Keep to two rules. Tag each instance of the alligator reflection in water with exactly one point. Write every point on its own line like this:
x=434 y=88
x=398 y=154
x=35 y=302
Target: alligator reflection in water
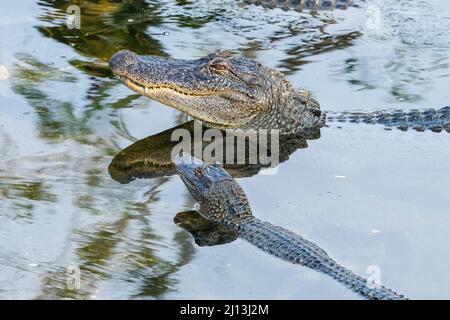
x=205 y=233
x=151 y=156
x=208 y=233
x=223 y=201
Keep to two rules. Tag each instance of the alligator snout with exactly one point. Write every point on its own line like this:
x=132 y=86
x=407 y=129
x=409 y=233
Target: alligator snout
x=122 y=59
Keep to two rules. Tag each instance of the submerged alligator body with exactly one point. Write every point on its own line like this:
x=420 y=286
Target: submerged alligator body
x=223 y=201
x=228 y=92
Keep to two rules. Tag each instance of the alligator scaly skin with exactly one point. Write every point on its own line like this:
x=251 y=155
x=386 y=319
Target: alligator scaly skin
x=293 y=248
x=227 y=92
x=435 y=120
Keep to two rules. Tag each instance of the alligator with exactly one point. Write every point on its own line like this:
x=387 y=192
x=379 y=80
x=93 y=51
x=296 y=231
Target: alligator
x=223 y=201
x=228 y=92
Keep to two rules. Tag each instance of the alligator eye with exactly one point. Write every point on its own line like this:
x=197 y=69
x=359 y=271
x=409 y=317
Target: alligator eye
x=219 y=66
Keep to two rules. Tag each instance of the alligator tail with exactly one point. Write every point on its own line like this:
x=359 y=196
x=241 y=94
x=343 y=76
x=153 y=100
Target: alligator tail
x=436 y=120
x=291 y=247
x=300 y=5
x=359 y=284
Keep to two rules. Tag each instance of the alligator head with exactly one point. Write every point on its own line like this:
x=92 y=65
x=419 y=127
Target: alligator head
x=221 y=199
x=221 y=90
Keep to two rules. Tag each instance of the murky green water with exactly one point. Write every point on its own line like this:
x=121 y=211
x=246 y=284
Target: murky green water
x=366 y=195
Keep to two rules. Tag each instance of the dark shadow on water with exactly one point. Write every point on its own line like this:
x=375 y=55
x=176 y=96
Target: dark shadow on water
x=151 y=157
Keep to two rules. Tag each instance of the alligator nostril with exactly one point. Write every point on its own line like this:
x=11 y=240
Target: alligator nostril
x=316 y=113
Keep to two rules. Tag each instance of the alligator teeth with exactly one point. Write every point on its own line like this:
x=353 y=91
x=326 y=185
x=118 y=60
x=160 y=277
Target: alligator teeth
x=146 y=90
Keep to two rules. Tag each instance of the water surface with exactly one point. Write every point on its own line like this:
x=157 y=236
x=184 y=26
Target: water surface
x=366 y=195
